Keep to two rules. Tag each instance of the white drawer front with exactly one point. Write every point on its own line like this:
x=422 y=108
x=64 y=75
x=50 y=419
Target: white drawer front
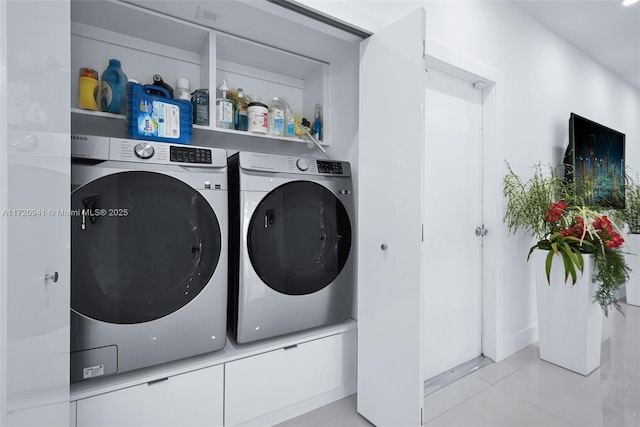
x=191 y=399
x=261 y=384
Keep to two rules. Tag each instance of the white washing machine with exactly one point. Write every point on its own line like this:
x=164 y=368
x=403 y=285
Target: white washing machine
x=149 y=254
x=292 y=224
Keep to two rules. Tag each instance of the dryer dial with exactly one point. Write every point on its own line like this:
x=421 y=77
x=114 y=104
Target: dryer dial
x=144 y=150
x=302 y=164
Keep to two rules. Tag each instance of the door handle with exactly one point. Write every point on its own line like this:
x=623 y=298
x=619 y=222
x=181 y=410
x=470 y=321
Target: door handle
x=268 y=218
x=53 y=277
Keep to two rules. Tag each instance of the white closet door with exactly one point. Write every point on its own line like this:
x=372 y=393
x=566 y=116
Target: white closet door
x=392 y=90
x=453 y=189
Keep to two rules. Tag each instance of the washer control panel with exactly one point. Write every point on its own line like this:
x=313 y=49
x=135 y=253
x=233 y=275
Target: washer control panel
x=334 y=168
x=137 y=151
x=197 y=155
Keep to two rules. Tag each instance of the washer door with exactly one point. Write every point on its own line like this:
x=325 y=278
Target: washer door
x=299 y=238
x=143 y=245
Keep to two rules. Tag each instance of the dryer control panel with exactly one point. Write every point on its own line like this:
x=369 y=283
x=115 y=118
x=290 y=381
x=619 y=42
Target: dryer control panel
x=290 y=164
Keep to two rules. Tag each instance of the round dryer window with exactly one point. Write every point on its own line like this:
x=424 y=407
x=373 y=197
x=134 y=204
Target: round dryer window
x=143 y=245
x=299 y=238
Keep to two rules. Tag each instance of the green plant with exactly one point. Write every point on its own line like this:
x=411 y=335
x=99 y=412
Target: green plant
x=548 y=207
x=630 y=215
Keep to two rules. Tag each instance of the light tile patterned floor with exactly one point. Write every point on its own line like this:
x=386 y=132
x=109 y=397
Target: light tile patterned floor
x=522 y=390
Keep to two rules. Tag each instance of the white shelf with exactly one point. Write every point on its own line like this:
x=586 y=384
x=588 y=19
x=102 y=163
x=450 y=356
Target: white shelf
x=102 y=115
x=257 y=135
x=97 y=113
x=146 y=43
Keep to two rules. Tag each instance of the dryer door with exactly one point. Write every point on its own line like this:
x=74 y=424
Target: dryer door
x=299 y=238
x=144 y=244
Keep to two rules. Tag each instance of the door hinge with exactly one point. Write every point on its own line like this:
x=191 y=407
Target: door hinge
x=422 y=237
x=481 y=231
x=424 y=49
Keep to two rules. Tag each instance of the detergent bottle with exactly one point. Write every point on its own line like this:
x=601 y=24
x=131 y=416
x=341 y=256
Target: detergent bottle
x=113 y=84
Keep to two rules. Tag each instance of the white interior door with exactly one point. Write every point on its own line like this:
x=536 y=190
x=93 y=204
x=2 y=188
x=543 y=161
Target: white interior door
x=391 y=139
x=453 y=209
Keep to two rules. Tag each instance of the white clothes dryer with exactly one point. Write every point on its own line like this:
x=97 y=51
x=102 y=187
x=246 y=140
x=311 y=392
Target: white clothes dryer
x=149 y=254
x=291 y=244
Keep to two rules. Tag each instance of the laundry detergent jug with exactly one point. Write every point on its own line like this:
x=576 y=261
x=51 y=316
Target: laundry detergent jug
x=112 y=88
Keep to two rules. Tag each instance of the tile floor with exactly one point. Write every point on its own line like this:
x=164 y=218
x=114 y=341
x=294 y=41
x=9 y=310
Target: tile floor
x=522 y=390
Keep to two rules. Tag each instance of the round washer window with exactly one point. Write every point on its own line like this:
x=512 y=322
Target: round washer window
x=144 y=245
x=299 y=238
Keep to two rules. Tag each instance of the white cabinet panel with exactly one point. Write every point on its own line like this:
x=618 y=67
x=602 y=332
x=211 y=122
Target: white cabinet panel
x=34 y=232
x=261 y=384
x=390 y=218
x=72 y=414
x=191 y=399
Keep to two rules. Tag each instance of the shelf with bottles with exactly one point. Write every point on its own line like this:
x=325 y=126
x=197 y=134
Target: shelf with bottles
x=264 y=73
x=147 y=43
x=102 y=124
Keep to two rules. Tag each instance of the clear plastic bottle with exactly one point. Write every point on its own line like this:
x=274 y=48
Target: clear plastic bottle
x=317 y=123
x=224 y=108
x=289 y=121
x=241 y=113
x=276 y=117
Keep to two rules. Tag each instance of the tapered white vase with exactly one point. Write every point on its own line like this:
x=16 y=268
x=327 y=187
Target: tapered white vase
x=633 y=261
x=569 y=321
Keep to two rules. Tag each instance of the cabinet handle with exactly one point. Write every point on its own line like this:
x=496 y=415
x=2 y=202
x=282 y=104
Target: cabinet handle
x=53 y=277
x=158 y=381
x=384 y=247
x=289 y=347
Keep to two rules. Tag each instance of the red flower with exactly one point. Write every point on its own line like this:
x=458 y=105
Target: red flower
x=607 y=234
x=556 y=211
x=576 y=230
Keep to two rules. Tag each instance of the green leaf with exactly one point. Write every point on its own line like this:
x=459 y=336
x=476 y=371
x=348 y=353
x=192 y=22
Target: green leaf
x=571 y=253
x=569 y=269
x=547 y=266
x=533 y=248
x=580 y=262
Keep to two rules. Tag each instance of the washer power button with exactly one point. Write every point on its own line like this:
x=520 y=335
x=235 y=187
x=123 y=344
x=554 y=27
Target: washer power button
x=144 y=150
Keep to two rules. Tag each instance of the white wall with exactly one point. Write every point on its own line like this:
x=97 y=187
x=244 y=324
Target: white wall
x=544 y=78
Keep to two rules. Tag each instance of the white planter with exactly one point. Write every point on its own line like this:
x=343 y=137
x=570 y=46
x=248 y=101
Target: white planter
x=633 y=261
x=569 y=321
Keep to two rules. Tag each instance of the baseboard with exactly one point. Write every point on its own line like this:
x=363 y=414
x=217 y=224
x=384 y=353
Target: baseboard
x=517 y=342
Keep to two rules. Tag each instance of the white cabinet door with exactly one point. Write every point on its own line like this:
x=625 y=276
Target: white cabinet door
x=191 y=399
x=391 y=140
x=258 y=385
x=34 y=175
